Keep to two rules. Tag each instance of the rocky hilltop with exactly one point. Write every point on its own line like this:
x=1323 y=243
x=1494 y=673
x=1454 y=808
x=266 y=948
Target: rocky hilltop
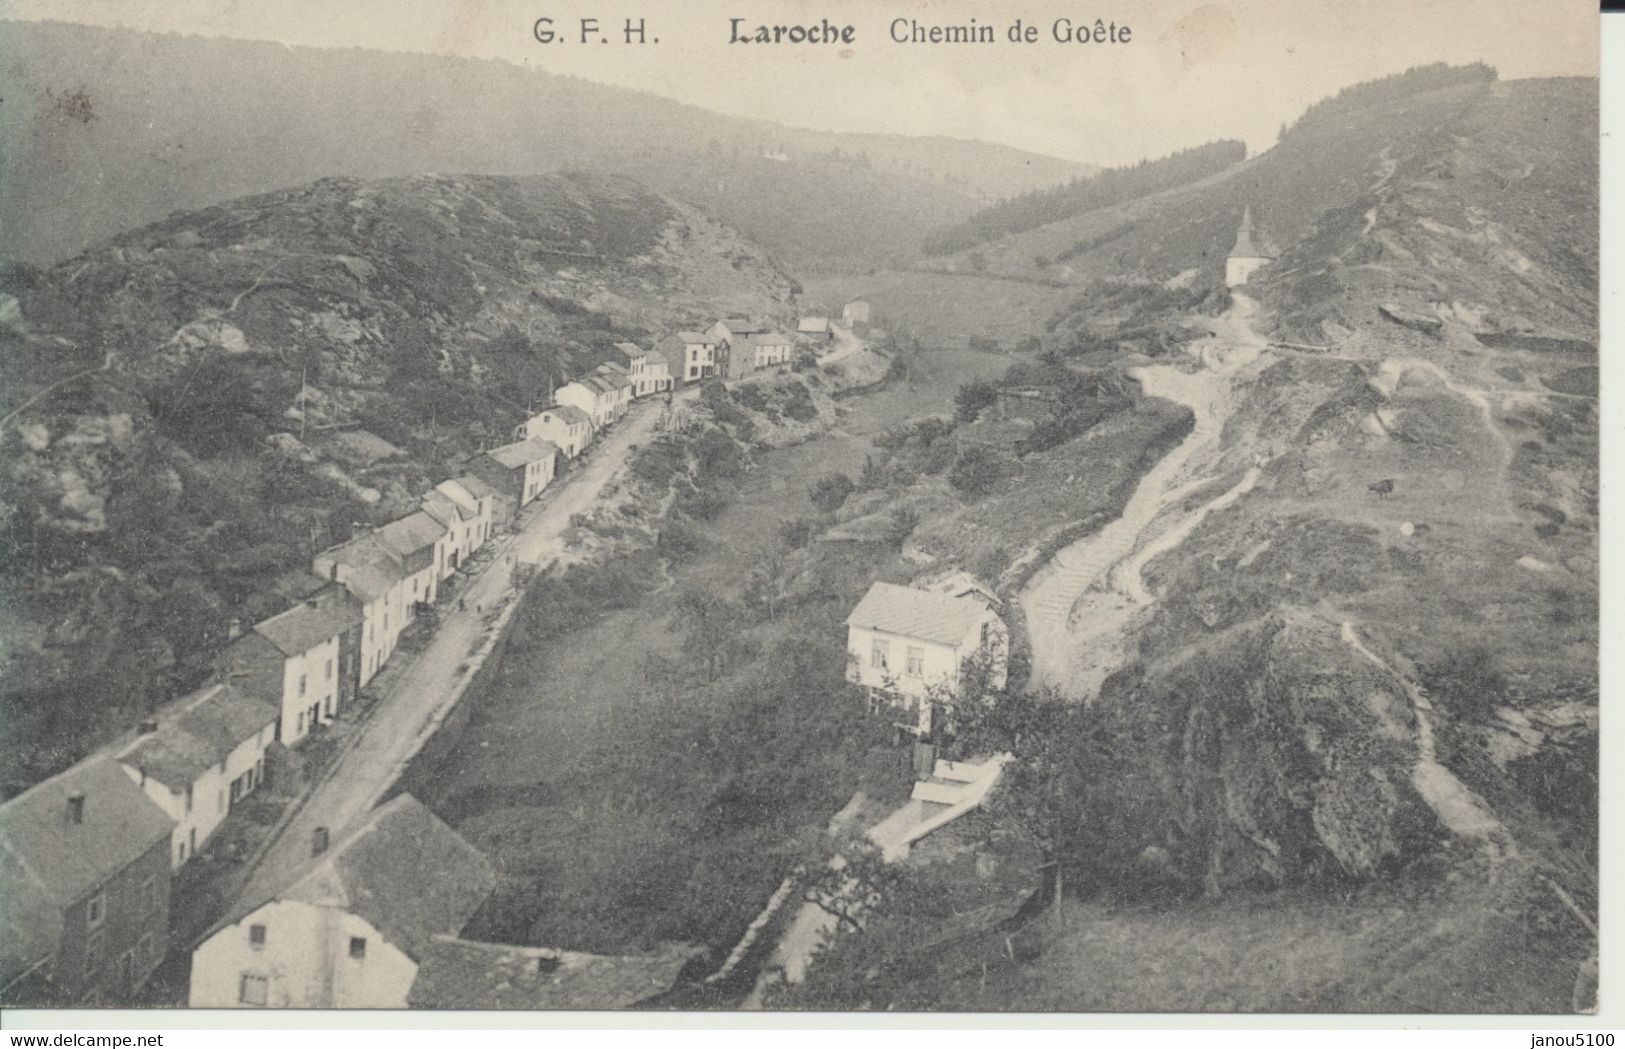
x=194 y=407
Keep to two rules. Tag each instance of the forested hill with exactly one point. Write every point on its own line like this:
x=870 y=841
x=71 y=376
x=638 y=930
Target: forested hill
x=155 y=485
x=1040 y=207
x=102 y=130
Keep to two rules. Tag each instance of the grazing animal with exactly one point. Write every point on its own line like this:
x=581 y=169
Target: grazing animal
x=1383 y=488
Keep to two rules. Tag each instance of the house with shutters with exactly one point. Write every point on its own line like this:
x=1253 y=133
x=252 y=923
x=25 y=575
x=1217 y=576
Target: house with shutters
x=522 y=470
x=567 y=427
x=657 y=368
x=768 y=349
x=693 y=355
x=503 y=507
x=350 y=930
x=375 y=576
x=908 y=646
x=474 y=521
x=198 y=758
x=306 y=662
x=84 y=888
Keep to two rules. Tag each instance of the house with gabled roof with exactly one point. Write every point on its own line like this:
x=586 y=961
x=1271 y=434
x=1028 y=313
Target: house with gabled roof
x=467 y=518
x=646 y=379
x=592 y=396
x=521 y=469
x=199 y=757
x=908 y=646
x=420 y=542
x=817 y=328
x=658 y=370
x=566 y=426
x=692 y=354
x=349 y=930
x=84 y=888
x=305 y=661
x=371 y=572
x=617 y=376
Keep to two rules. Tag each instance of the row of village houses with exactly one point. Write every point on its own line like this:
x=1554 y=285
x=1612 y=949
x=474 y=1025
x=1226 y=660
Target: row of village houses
x=86 y=856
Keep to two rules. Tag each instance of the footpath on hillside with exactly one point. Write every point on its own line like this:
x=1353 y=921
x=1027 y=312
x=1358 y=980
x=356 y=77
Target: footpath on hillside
x=1079 y=605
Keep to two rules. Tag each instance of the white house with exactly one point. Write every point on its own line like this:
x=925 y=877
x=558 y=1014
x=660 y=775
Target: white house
x=350 y=929
x=620 y=379
x=567 y=427
x=295 y=660
x=657 y=368
x=199 y=757
x=591 y=396
x=420 y=542
x=1250 y=254
x=646 y=378
x=466 y=518
x=693 y=355
x=906 y=645
x=769 y=349
x=854 y=313
x=376 y=577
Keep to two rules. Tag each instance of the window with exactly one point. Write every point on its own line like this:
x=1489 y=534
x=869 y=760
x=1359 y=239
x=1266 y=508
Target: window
x=358 y=947
x=877 y=655
x=330 y=670
x=916 y=661
x=97 y=910
x=251 y=990
x=188 y=797
x=301 y=684
x=256 y=937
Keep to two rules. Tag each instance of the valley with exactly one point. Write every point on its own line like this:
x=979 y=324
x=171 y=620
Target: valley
x=1251 y=501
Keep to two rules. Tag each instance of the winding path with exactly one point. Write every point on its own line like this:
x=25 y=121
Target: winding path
x=1078 y=605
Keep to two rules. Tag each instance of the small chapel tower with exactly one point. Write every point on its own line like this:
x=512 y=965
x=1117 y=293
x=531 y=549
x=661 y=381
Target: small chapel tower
x=1250 y=254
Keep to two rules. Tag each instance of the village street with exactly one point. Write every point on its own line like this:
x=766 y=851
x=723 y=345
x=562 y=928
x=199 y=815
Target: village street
x=431 y=684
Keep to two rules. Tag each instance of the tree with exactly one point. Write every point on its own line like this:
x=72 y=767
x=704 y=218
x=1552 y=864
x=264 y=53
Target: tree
x=972 y=397
x=830 y=491
x=975 y=472
x=904 y=520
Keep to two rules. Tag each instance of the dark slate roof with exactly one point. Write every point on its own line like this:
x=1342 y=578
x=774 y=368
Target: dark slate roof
x=404 y=871
x=198 y=733
x=630 y=349
x=917 y=613
x=412 y=533
x=374 y=567
x=321 y=617
x=522 y=453
x=477 y=486
x=694 y=336
x=571 y=415
x=462 y=974
x=444 y=509
x=655 y=357
x=48 y=862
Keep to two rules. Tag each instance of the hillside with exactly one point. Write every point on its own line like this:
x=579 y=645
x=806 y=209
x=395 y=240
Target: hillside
x=1336 y=736
x=164 y=466
x=93 y=143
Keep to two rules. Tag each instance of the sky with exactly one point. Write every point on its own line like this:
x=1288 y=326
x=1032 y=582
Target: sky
x=1191 y=72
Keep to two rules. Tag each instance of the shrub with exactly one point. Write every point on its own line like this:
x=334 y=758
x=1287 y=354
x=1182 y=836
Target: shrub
x=678 y=539
x=972 y=398
x=975 y=472
x=830 y=491
x=798 y=532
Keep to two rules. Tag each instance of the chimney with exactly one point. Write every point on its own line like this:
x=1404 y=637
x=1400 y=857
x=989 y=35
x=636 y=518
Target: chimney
x=318 y=841
x=76 y=807
x=234 y=629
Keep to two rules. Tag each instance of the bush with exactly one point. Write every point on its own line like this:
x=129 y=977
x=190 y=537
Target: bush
x=972 y=398
x=975 y=472
x=798 y=532
x=1468 y=682
x=830 y=491
x=678 y=540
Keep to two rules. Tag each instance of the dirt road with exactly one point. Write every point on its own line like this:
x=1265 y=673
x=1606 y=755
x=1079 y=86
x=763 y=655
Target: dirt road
x=1078 y=606
x=433 y=682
